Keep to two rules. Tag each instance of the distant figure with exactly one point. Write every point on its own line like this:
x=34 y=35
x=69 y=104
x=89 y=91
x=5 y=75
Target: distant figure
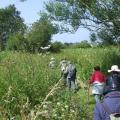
x=52 y=63
x=63 y=65
x=71 y=75
x=109 y=108
x=97 y=80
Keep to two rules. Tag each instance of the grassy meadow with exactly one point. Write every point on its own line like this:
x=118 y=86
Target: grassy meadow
x=26 y=79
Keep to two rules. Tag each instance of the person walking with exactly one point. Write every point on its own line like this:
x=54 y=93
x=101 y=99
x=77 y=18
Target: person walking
x=52 y=63
x=109 y=108
x=97 y=80
x=63 y=65
x=71 y=76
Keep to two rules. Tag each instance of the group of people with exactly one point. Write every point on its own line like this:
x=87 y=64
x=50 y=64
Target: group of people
x=68 y=72
x=106 y=90
x=109 y=88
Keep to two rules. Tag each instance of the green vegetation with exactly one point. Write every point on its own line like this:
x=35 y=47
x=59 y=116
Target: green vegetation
x=25 y=80
x=40 y=33
x=11 y=23
x=99 y=16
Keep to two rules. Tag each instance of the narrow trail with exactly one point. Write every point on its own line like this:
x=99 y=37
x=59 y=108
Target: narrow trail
x=81 y=97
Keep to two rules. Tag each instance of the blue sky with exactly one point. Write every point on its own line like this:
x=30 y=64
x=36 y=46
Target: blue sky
x=30 y=13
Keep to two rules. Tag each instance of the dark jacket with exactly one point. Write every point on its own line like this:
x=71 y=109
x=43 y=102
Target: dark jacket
x=112 y=100
x=112 y=83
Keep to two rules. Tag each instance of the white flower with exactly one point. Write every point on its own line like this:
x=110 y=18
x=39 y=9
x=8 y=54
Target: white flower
x=66 y=106
x=63 y=109
x=45 y=106
x=72 y=111
x=58 y=103
x=55 y=115
x=45 y=111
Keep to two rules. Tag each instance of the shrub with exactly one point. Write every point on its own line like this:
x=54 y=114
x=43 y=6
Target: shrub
x=17 y=42
x=56 y=47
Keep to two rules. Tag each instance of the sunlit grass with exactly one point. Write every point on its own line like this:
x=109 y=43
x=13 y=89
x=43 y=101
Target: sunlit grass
x=25 y=80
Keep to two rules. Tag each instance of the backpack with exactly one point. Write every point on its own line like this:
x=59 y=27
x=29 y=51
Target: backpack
x=113 y=116
x=72 y=71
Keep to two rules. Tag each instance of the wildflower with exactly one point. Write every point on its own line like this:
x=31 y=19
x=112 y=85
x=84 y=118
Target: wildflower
x=66 y=106
x=55 y=115
x=72 y=111
x=45 y=111
x=54 y=110
x=58 y=103
x=45 y=106
x=32 y=112
x=9 y=91
x=63 y=109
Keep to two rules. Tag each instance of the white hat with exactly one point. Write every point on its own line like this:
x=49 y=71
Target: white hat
x=114 y=68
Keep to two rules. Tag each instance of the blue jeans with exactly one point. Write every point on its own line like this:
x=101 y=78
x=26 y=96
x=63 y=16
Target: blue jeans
x=71 y=82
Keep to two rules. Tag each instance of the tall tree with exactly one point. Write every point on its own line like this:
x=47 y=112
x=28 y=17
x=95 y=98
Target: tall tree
x=96 y=15
x=41 y=32
x=10 y=22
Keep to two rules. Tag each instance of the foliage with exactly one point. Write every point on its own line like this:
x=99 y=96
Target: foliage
x=93 y=38
x=40 y=33
x=56 y=46
x=84 y=44
x=106 y=37
x=25 y=80
x=96 y=15
x=17 y=42
x=11 y=22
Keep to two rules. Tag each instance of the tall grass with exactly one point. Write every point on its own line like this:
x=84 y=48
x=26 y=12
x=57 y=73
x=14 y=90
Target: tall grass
x=25 y=80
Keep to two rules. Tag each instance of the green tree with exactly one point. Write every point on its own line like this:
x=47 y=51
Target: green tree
x=56 y=46
x=84 y=44
x=10 y=22
x=93 y=38
x=41 y=32
x=96 y=15
x=106 y=37
x=17 y=42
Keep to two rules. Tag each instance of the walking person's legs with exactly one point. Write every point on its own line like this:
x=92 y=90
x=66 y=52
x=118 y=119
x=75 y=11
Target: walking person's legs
x=65 y=79
x=74 y=85
x=69 y=84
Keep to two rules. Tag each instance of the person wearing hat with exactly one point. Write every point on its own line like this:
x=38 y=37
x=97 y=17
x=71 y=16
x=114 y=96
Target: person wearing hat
x=113 y=81
x=52 y=62
x=109 y=108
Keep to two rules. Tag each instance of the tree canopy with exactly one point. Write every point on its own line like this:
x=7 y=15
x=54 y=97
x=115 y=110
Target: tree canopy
x=41 y=32
x=95 y=15
x=10 y=22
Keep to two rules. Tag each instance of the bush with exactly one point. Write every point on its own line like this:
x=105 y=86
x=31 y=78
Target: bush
x=56 y=47
x=84 y=44
x=17 y=42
